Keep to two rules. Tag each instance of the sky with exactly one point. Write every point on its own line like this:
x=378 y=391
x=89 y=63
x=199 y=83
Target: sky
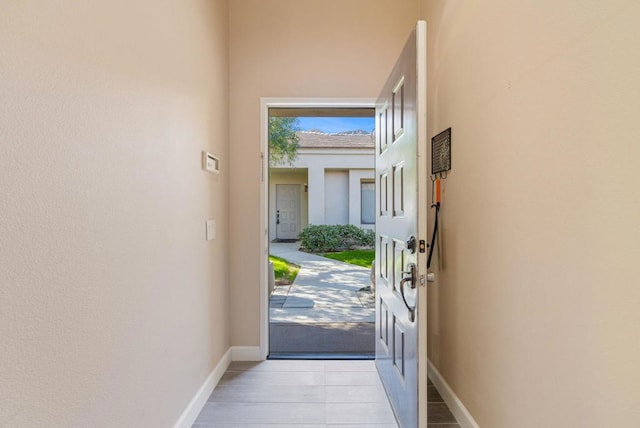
x=332 y=125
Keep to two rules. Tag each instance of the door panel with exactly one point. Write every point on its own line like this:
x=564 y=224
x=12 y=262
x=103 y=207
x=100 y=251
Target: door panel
x=401 y=214
x=287 y=211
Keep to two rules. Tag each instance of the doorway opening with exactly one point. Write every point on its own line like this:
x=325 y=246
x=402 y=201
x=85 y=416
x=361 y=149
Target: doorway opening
x=320 y=218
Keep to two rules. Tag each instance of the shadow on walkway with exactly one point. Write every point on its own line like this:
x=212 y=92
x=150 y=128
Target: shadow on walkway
x=324 y=312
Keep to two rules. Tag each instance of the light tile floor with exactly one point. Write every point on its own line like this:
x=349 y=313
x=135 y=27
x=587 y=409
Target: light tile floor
x=438 y=412
x=298 y=393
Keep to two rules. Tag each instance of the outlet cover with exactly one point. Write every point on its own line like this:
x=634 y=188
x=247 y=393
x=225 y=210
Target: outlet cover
x=211 y=230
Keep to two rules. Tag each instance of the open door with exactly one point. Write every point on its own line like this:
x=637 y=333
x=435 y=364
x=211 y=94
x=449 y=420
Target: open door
x=401 y=220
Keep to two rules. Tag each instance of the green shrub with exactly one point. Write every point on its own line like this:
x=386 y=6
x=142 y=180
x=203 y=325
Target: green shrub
x=327 y=238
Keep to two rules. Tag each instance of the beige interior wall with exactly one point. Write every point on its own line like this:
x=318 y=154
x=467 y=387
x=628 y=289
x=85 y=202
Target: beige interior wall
x=534 y=319
x=292 y=48
x=112 y=304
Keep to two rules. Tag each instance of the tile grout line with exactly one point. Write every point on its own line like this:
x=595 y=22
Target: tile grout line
x=324 y=369
x=326 y=406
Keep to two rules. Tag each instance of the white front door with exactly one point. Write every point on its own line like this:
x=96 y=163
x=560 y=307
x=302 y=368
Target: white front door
x=287 y=211
x=401 y=210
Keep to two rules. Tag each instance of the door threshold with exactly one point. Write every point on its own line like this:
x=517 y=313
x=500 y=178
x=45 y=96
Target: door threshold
x=285 y=356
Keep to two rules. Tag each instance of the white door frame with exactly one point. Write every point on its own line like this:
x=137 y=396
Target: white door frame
x=265 y=104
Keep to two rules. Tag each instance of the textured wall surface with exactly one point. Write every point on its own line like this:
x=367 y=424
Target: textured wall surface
x=114 y=308
x=112 y=304
x=534 y=318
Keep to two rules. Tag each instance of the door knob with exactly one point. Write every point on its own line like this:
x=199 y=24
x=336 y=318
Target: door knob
x=411 y=279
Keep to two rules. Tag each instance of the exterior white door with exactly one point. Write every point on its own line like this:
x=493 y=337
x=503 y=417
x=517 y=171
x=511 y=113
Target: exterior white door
x=401 y=210
x=287 y=211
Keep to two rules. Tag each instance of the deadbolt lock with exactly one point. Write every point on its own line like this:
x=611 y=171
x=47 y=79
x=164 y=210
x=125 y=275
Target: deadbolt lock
x=411 y=244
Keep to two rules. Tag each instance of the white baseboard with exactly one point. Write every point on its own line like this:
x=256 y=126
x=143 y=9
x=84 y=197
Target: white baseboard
x=246 y=353
x=198 y=401
x=235 y=353
x=455 y=405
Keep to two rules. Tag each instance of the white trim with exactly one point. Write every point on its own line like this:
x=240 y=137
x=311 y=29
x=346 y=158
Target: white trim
x=455 y=405
x=193 y=409
x=265 y=104
x=246 y=353
x=195 y=406
x=264 y=228
x=424 y=213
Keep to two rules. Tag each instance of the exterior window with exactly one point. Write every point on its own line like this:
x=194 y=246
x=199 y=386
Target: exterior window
x=367 y=202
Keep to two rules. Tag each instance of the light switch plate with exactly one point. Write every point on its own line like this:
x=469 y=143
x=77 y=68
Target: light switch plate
x=210 y=163
x=211 y=230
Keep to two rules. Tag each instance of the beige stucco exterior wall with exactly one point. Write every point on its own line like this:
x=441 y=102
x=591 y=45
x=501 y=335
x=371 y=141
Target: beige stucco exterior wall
x=291 y=48
x=534 y=319
x=357 y=164
x=112 y=304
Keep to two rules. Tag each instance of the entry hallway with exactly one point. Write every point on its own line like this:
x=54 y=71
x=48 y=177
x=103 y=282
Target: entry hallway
x=298 y=393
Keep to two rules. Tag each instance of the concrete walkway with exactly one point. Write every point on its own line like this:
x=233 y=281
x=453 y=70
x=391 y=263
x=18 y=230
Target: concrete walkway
x=324 y=291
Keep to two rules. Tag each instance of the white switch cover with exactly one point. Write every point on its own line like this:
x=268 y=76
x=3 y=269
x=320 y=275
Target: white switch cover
x=210 y=163
x=211 y=230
